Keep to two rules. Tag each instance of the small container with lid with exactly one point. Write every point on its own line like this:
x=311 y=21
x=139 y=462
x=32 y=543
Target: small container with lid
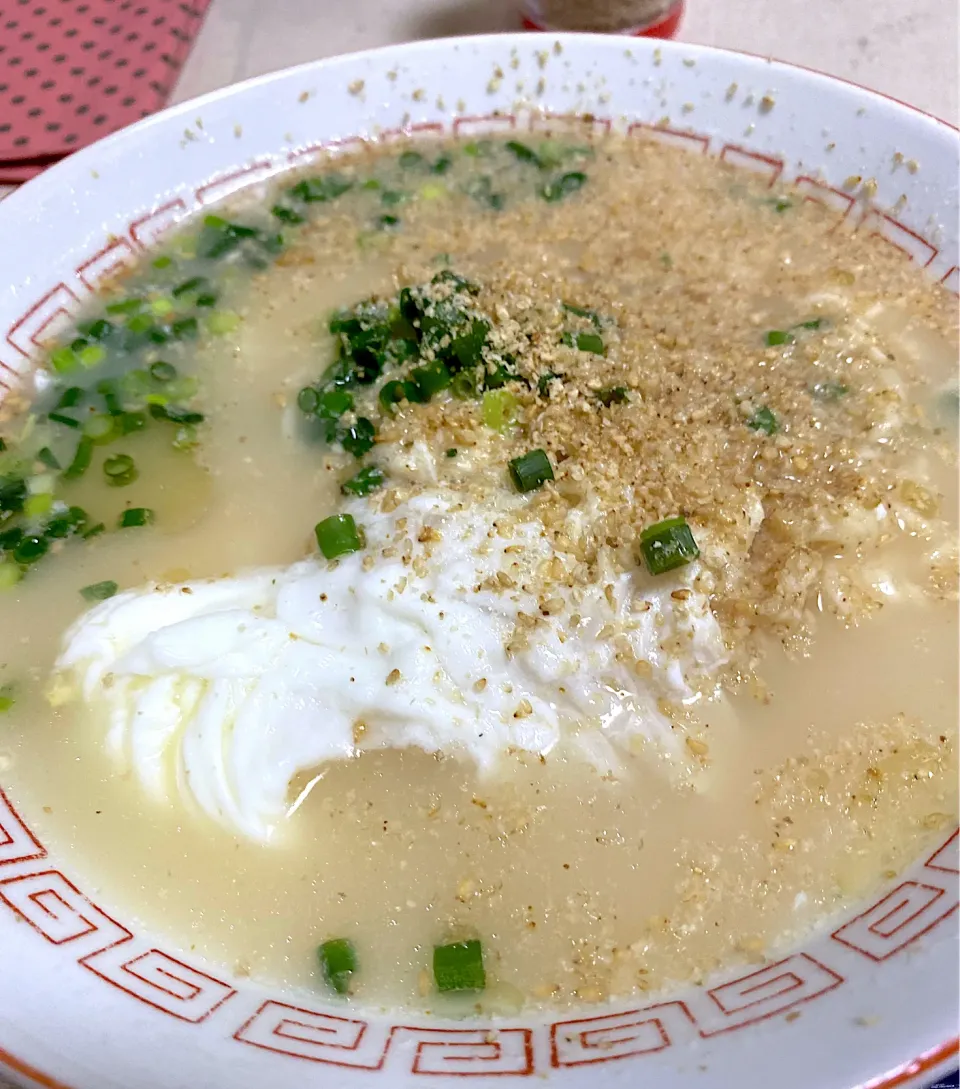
x=637 y=18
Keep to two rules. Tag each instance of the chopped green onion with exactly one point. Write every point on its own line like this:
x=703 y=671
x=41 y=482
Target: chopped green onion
x=410 y=159
x=38 y=505
x=543 y=383
x=459 y=966
x=583 y=312
x=431 y=378
x=364 y=482
x=285 y=214
x=775 y=337
x=46 y=456
x=188 y=287
x=338 y=535
x=590 y=342
x=563 y=186
x=93 y=531
x=185 y=328
x=318 y=190
x=499 y=408
x=135 y=517
x=391 y=197
x=162 y=262
x=464 y=385
x=174 y=414
x=102 y=429
x=393 y=392
x=99 y=591
x=71 y=397
x=441 y=165
x=10 y=538
x=125 y=306
x=523 y=153
x=452 y=452
x=64 y=360
x=388 y=221
x=206 y=300
x=613 y=395
x=97 y=330
x=110 y=391
x=3 y=444
x=531 y=470
x=359 y=438
x=308 y=400
x=222 y=322
x=163 y=372
x=67 y=421
x=338 y=962
x=764 y=420
x=813 y=323
x=10 y=575
x=481 y=190
x=81 y=459
x=91 y=355
x=128 y=422
x=218 y=237
x=668 y=545
x=120 y=470
x=71 y=521
x=31 y=549
x=7 y=694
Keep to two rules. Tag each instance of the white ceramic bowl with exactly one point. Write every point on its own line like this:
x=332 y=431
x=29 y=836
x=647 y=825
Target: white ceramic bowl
x=88 y=999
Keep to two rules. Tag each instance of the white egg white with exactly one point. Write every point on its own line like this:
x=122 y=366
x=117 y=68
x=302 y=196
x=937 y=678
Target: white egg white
x=220 y=692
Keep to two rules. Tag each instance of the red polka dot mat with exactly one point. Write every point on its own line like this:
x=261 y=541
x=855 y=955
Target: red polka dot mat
x=72 y=71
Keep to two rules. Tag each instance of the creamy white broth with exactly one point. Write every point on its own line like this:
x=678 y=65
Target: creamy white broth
x=813 y=781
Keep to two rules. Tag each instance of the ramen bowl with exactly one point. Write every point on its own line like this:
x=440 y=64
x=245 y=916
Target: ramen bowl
x=90 y=999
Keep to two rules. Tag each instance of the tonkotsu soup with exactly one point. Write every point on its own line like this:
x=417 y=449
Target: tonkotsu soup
x=489 y=574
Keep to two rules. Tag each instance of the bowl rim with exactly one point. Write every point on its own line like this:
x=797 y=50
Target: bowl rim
x=934 y=1060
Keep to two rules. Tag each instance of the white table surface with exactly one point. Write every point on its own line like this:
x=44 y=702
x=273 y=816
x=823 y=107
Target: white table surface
x=905 y=48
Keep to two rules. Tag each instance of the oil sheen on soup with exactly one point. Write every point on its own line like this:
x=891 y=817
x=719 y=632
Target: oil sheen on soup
x=489 y=573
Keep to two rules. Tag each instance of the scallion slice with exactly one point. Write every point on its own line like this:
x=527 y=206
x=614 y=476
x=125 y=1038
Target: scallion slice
x=590 y=342
x=431 y=378
x=667 y=545
x=31 y=549
x=364 y=482
x=531 y=470
x=764 y=420
x=120 y=470
x=189 y=287
x=338 y=962
x=67 y=421
x=563 y=186
x=134 y=517
x=338 y=535
x=358 y=438
x=99 y=591
x=459 y=966
x=613 y=395
x=163 y=372
x=81 y=459
x=47 y=457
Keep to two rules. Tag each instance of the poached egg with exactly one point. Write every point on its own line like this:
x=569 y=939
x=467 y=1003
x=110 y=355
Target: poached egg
x=220 y=692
